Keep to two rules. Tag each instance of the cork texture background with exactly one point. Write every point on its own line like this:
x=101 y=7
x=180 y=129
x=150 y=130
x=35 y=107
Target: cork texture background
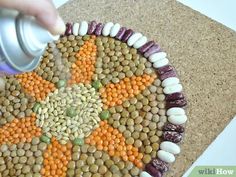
x=203 y=52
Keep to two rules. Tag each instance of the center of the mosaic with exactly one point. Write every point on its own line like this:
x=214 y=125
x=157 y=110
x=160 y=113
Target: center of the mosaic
x=70 y=113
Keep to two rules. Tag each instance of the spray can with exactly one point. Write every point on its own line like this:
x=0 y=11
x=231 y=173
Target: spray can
x=22 y=42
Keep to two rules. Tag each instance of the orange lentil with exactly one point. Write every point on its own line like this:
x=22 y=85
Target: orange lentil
x=83 y=68
x=115 y=94
x=56 y=158
x=35 y=85
x=19 y=130
x=113 y=142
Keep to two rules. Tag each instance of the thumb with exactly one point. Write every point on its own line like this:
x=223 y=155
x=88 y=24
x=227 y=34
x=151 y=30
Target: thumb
x=43 y=10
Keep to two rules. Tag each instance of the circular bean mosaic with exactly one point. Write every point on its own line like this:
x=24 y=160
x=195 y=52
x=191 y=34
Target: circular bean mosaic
x=104 y=102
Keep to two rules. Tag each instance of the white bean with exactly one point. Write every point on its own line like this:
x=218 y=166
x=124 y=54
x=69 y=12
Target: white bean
x=75 y=29
x=83 y=29
x=173 y=89
x=107 y=29
x=170 y=147
x=139 y=43
x=160 y=63
x=145 y=174
x=166 y=156
x=170 y=81
x=115 y=29
x=157 y=56
x=175 y=111
x=177 y=119
x=135 y=37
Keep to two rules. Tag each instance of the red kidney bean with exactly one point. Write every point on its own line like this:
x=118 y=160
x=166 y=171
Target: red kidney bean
x=160 y=165
x=92 y=27
x=120 y=33
x=68 y=29
x=168 y=74
x=174 y=137
x=154 y=49
x=176 y=103
x=145 y=47
x=173 y=128
x=127 y=35
x=164 y=69
x=153 y=171
x=98 y=30
x=175 y=96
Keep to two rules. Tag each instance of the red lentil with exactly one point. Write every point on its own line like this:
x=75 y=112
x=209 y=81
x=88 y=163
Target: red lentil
x=35 y=85
x=111 y=140
x=19 y=130
x=83 y=69
x=115 y=94
x=56 y=158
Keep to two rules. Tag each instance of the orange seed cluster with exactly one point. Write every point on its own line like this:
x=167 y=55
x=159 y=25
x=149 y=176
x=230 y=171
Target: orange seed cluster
x=35 y=85
x=83 y=68
x=115 y=94
x=19 y=130
x=56 y=158
x=111 y=140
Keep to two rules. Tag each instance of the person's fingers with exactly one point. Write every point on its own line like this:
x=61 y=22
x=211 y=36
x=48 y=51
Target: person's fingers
x=43 y=10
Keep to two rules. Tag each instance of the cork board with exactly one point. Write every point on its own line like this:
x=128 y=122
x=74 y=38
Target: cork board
x=202 y=50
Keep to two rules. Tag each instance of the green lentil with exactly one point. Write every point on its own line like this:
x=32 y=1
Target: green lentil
x=104 y=114
x=36 y=107
x=61 y=83
x=71 y=111
x=45 y=139
x=78 y=141
x=97 y=85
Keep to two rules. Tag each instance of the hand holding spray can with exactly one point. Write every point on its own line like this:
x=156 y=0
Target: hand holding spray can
x=22 y=42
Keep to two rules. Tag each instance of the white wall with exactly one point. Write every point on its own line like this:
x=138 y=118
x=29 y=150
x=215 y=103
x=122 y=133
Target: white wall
x=223 y=11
